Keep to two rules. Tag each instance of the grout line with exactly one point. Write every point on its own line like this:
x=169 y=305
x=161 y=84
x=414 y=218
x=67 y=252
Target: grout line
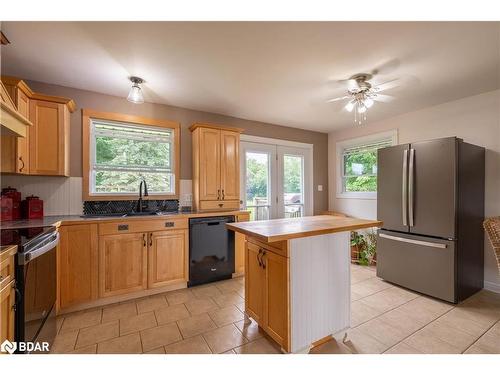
x=421 y=328
x=208 y=346
x=484 y=333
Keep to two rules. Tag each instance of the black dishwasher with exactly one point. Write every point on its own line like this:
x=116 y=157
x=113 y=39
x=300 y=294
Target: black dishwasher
x=211 y=249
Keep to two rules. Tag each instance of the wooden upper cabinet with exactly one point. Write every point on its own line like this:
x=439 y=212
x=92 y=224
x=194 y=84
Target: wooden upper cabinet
x=45 y=149
x=230 y=165
x=77 y=264
x=216 y=163
x=15 y=150
x=122 y=263
x=167 y=258
x=49 y=138
x=209 y=174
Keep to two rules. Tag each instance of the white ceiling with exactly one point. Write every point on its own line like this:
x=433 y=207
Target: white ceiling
x=276 y=72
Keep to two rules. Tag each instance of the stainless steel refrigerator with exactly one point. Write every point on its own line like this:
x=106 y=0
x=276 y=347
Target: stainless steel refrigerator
x=431 y=201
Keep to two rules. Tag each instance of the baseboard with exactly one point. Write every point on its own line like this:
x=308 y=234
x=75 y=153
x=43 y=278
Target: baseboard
x=492 y=287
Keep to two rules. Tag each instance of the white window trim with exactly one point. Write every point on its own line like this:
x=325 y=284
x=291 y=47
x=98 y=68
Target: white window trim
x=92 y=156
x=342 y=145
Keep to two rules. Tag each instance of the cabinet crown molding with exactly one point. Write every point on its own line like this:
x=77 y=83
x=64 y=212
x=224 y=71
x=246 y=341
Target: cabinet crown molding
x=21 y=84
x=197 y=125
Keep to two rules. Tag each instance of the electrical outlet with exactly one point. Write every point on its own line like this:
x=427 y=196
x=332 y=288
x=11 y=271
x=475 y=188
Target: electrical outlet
x=320 y=187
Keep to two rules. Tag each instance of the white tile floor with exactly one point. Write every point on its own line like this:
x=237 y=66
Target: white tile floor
x=209 y=319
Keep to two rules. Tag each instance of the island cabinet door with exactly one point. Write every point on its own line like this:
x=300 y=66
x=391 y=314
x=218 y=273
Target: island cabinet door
x=167 y=258
x=276 y=320
x=122 y=263
x=254 y=283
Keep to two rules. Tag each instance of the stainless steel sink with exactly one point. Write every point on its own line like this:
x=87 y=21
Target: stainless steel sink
x=144 y=213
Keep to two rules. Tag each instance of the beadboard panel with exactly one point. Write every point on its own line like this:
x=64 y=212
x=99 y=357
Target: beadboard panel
x=60 y=195
x=320 y=288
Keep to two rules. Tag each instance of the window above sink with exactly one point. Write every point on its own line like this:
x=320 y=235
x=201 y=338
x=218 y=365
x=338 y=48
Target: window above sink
x=120 y=150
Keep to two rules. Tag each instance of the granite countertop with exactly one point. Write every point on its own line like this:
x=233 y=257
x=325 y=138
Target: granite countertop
x=76 y=219
x=286 y=229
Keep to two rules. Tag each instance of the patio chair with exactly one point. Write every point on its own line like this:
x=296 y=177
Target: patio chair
x=492 y=227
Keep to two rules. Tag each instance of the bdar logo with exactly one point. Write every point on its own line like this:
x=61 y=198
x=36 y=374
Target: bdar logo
x=8 y=347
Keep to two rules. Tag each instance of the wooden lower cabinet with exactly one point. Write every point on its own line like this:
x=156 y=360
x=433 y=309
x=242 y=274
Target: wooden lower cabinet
x=254 y=283
x=239 y=247
x=276 y=297
x=7 y=312
x=266 y=292
x=167 y=258
x=122 y=263
x=77 y=264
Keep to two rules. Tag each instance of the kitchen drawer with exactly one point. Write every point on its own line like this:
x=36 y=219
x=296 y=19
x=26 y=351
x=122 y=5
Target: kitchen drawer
x=279 y=247
x=134 y=226
x=219 y=205
x=7 y=266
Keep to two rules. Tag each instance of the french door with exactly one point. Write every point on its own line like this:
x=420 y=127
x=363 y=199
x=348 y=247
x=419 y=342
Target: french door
x=276 y=181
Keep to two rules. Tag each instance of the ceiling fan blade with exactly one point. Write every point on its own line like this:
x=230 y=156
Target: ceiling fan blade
x=388 y=85
x=383 y=98
x=338 y=99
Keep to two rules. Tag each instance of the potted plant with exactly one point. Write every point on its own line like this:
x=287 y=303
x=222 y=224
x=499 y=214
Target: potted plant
x=357 y=244
x=368 y=255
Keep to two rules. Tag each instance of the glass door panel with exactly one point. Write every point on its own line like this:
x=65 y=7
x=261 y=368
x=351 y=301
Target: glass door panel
x=293 y=185
x=258 y=164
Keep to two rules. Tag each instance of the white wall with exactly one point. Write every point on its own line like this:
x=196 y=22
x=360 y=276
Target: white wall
x=476 y=119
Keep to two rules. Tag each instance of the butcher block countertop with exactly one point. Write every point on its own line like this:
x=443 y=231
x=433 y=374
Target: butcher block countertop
x=287 y=229
x=96 y=219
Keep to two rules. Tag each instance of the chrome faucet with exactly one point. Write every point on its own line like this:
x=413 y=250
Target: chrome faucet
x=140 y=205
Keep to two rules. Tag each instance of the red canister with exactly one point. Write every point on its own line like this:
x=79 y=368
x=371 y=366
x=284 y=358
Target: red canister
x=16 y=201
x=32 y=207
x=6 y=208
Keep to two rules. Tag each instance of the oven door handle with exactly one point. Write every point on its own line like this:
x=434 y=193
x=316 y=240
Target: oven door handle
x=25 y=258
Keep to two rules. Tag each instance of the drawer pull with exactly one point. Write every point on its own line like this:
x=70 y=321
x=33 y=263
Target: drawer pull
x=122 y=226
x=221 y=204
x=169 y=224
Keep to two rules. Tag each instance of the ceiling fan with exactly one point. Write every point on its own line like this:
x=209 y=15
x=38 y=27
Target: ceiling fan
x=362 y=94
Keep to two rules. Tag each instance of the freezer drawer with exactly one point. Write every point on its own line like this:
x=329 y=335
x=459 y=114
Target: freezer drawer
x=422 y=264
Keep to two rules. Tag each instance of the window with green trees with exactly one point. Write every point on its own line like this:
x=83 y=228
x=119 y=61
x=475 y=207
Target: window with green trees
x=123 y=154
x=359 y=167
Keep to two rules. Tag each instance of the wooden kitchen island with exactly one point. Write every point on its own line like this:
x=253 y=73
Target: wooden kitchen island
x=297 y=277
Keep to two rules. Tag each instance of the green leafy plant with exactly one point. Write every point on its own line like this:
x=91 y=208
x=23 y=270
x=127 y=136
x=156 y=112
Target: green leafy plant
x=357 y=245
x=368 y=253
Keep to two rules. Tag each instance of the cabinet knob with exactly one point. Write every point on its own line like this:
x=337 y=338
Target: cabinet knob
x=221 y=204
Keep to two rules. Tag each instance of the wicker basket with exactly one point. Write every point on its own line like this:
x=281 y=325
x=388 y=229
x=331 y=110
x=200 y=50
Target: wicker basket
x=492 y=227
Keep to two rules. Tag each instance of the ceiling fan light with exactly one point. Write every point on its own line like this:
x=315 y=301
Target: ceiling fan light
x=350 y=106
x=135 y=94
x=368 y=102
x=361 y=108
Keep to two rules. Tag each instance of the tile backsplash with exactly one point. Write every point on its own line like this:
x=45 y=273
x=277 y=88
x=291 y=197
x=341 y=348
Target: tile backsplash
x=63 y=195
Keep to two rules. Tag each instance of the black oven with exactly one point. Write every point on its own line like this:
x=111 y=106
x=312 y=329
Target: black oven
x=36 y=282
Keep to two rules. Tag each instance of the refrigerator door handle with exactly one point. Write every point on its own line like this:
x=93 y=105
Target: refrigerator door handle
x=411 y=187
x=416 y=242
x=404 y=188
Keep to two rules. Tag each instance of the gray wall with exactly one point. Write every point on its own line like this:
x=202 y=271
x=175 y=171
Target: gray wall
x=186 y=117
